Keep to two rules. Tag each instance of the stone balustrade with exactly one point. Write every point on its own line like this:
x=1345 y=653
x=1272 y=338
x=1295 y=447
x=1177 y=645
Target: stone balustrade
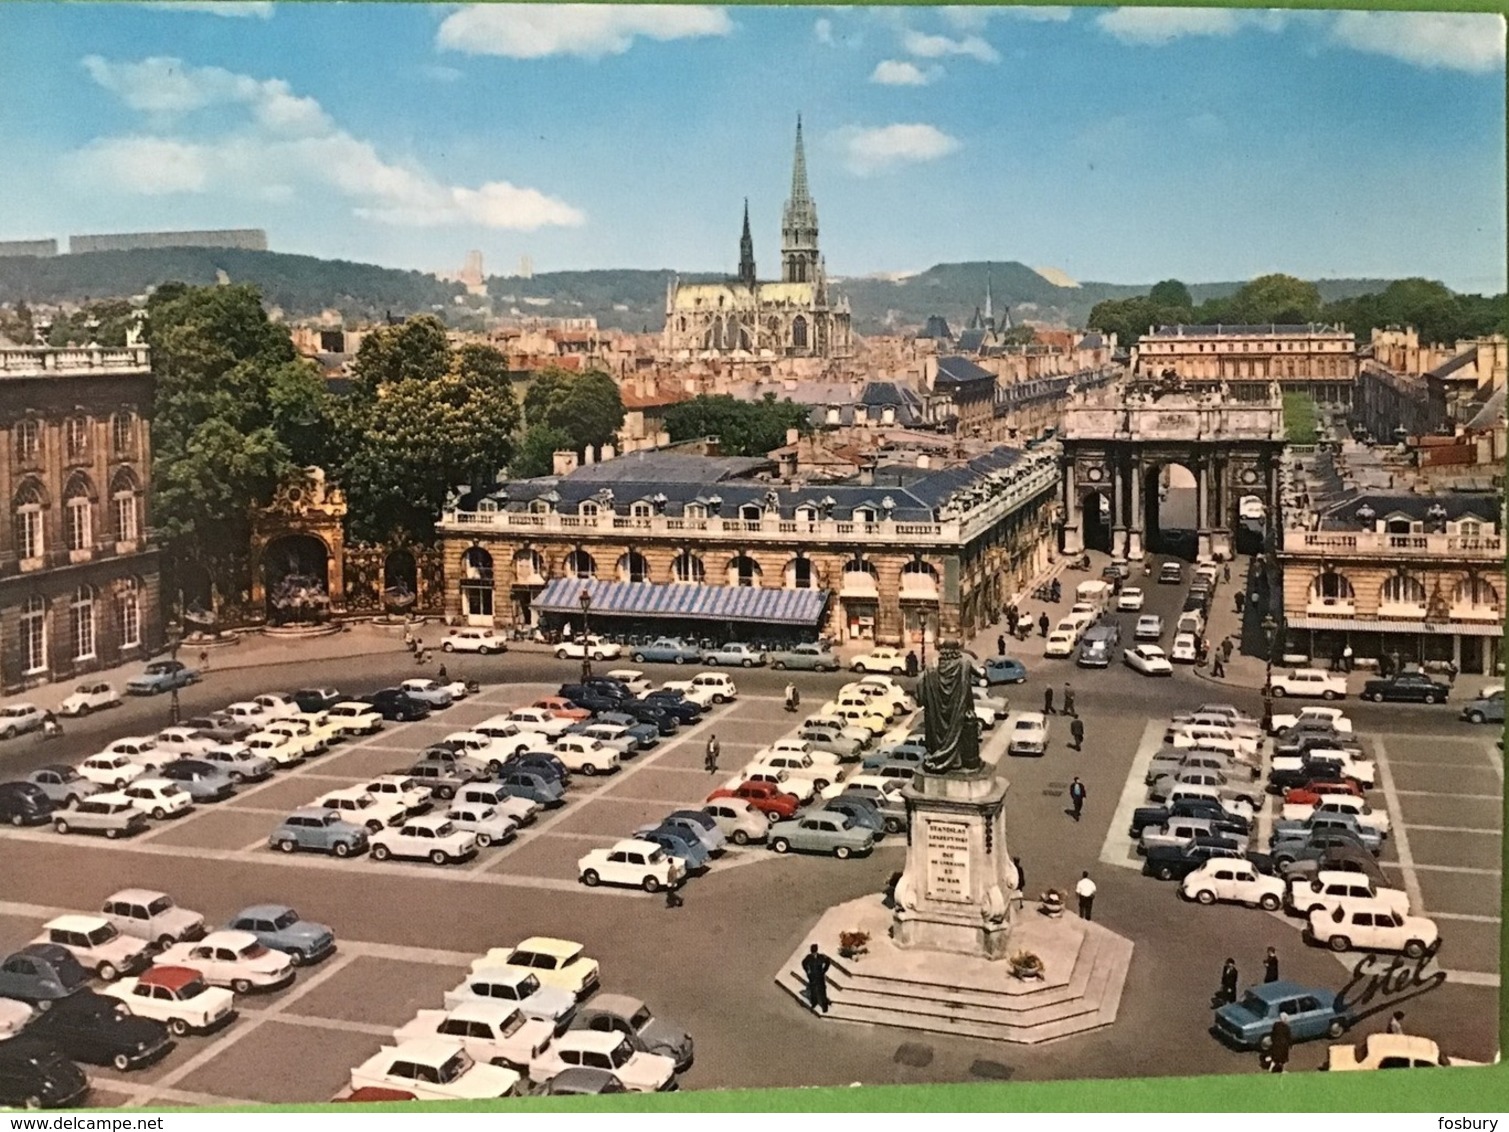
x=1485 y=547
x=73 y=361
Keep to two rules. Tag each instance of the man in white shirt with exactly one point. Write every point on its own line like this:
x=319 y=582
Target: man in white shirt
x=1085 y=890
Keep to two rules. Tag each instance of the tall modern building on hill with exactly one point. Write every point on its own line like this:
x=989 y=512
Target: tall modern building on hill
x=795 y=317
x=247 y=239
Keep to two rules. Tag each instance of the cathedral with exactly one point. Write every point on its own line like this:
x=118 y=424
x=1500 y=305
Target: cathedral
x=793 y=318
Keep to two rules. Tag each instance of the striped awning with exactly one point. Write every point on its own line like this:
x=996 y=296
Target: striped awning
x=1433 y=628
x=692 y=602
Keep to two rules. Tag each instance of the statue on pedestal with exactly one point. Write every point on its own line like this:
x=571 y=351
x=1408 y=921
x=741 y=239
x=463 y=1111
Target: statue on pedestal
x=952 y=730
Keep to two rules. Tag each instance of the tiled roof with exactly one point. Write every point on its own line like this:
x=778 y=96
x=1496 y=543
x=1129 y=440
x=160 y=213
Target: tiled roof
x=1207 y=331
x=1447 y=368
x=1342 y=514
x=961 y=371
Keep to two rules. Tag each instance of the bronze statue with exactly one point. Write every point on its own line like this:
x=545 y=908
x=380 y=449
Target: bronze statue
x=952 y=731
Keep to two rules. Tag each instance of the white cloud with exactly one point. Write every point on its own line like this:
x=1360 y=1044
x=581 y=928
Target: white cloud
x=823 y=30
x=234 y=9
x=876 y=150
x=285 y=143
x=1458 y=41
x=967 y=17
x=926 y=46
x=1154 y=27
x=590 y=31
x=898 y=72
x=1038 y=15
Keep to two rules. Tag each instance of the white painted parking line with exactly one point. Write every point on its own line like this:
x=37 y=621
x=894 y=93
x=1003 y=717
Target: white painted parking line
x=1441 y=766
x=1467 y=870
x=1465 y=917
x=1119 y=849
x=312 y=1022
x=1497 y=760
x=131 y=1090
x=1473 y=978
x=1448 y=794
x=1400 y=835
x=1490 y=831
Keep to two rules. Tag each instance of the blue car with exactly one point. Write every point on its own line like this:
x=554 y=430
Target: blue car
x=711 y=839
x=278 y=926
x=900 y=753
x=532 y=785
x=713 y=835
x=645 y=734
x=42 y=973
x=678 y=841
x=161 y=676
x=321 y=831
x=666 y=650
x=861 y=812
x=1004 y=670
x=1313 y=1012
x=543 y=763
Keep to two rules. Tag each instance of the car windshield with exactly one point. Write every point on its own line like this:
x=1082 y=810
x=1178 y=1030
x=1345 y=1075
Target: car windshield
x=528 y=985
x=286 y=920
x=252 y=950
x=511 y=1025
x=192 y=990
x=642 y=1018
x=102 y=935
x=444 y=829
x=455 y=1067
x=159 y=906
x=1255 y=1005
x=620 y=1054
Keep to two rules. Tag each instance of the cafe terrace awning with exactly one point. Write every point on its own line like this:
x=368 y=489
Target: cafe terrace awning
x=688 y=601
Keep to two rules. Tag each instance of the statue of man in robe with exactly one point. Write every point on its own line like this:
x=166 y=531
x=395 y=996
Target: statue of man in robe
x=952 y=731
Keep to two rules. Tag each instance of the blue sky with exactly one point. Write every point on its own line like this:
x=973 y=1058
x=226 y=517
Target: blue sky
x=1125 y=145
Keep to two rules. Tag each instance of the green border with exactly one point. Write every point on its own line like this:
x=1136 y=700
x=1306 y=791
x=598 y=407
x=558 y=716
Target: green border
x=1467 y=1090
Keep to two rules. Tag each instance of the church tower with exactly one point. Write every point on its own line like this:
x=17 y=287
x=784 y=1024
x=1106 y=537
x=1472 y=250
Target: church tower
x=799 y=255
x=746 y=253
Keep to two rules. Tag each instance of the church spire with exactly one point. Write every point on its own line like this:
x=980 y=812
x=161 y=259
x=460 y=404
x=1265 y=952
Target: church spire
x=800 y=195
x=990 y=314
x=746 y=252
x=799 y=254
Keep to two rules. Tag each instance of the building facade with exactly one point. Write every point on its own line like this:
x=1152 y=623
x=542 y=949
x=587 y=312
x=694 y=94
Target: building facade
x=1320 y=361
x=1420 y=576
x=795 y=317
x=900 y=555
x=79 y=587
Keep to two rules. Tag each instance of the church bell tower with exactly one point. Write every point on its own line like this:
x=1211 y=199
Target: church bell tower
x=800 y=261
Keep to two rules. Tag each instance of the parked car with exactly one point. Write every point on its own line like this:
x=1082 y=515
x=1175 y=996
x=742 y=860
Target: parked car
x=109 y=814
x=1173 y=862
x=1130 y=599
x=585 y=755
x=1406 y=687
x=321 y=831
x=282 y=928
x=632 y=862
x=675 y=702
x=594 y=647
x=441 y=779
x=434 y=1070
x=233 y=959
x=483 y=642
x=1311 y=716
x=62 y=785
x=1317 y=846
x=820 y=832
x=397 y=706
x=427 y=692
x=640 y=1072
x=414 y=797
x=22 y=803
x=680 y=845
x=734 y=654
x=880 y=660
x=312 y=701
x=1341 y=804
x=160 y=676
x=700 y=822
x=177 y=997
x=519 y=987
x=90 y=696
x=1485 y=709
x=141 y=750
x=41 y=974
x=1029 y=734
x=484 y=823
x=152 y=916
x=17 y=719
x=532 y=786
x=99 y=1030
x=493 y=1033
x=808 y=657
x=33 y=1074
x=559 y=963
x=739 y=821
x=1389 y=1051
x=430 y=838
x=159 y=798
x=1311 y=1012
x=1309 y=682
x=97 y=944
x=1232 y=881
x=238 y=763
x=354 y=717
x=1371 y=925
x=201 y=779
x=706 y=687
x=579 y=1081
x=540 y=721
x=1327 y=889
x=666 y=650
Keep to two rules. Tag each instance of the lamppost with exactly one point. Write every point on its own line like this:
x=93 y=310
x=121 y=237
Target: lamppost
x=585 y=599
x=175 y=639
x=1269 y=628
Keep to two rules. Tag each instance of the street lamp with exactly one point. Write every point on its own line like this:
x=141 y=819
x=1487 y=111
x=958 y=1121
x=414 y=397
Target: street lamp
x=175 y=639
x=585 y=598
x=1269 y=628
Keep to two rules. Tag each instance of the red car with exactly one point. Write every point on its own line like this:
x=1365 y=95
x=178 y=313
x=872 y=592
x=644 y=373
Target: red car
x=1311 y=793
x=762 y=796
x=562 y=708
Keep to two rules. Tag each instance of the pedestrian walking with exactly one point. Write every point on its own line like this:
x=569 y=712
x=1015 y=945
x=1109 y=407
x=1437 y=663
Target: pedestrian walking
x=911 y=662
x=1396 y=1023
x=1001 y=645
x=1228 y=989
x=1069 y=700
x=1270 y=966
x=1346 y=659
x=1085 y=890
x=1451 y=671
x=441 y=675
x=1228 y=646
x=816 y=965
x=1012 y=618
x=1048 y=702
x=1077 y=796
x=673 y=897
x=1077 y=730
x=1218 y=668
x=711 y=759
x=204 y=660
x=1281 y=1038
x=1042 y=623
x=1226 y=572
x=1240 y=600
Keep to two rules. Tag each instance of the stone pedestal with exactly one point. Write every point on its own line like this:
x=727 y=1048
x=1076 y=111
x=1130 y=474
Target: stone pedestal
x=955 y=894
x=1134 y=545
x=1220 y=546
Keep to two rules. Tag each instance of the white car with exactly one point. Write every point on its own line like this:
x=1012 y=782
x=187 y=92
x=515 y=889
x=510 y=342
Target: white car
x=97 y=944
x=18 y=718
x=92 y=695
x=152 y=916
x=1060 y=643
x=506 y=734
x=815 y=756
x=632 y=679
x=584 y=755
x=719 y=687
x=407 y=792
x=310 y=737
x=1130 y=599
x=232 y=959
x=889 y=787
x=352 y=717
x=1231 y=880
x=517 y=987
x=609 y=1051
x=1358 y=808
x=880 y=660
x=486 y=824
x=1149 y=627
x=248 y=712
x=484 y=642
x=1371 y=925
x=158 y=798
x=798 y=768
x=614 y=736
x=276 y=747
x=357 y=806
x=1149 y=660
x=1329 y=889
x=1185 y=649
x=594 y=647
x=110 y=770
x=1390 y=1051
x=701 y=695
x=430 y=838
x=555 y=962
x=802 y=789
x=1028 y=734
x=1309 y=682
x=539 y=721
x=433 y=1070
x=638 y=864
x=1331 y=717
x=178 y=997
x=277 y=705
x=485 y=749
x=495 y=1033
x=431 y=693
x=737 y=820
x=141 y=750
x=1352 y=766
x=238 y=763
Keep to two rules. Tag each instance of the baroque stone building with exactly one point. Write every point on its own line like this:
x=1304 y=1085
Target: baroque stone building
x=78 y=574
x=1320 y=361
x=795 y=317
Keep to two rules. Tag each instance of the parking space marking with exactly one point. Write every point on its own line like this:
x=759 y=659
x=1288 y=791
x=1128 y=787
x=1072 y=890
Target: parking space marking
x=132 y=1090
x=1465 y=869
x=1447 y=794
x=1497 y=760
x=1465 y=917
x=1400 y=836
x=1442 y=766
x=1119 y=849
x=315 y=1022
x=1473 y=978
x=1454 y=828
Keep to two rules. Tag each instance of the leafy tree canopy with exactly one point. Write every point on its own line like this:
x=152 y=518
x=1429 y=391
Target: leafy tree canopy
x=745 y=428
x=587 y=407
x=537 y=448
x=1171 y=293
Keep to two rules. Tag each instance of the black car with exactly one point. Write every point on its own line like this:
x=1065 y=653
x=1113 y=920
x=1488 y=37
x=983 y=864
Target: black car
x=1407 y=687
x=313 y=700
x=1196 y=603
x=33 y=1074
x=1173 y=862
x=1310 y=769
x=1307 y=741
x=98 y=1029
x=24 y=803
x=675 y=703
x=665 y=720
x=1221 y=821
x=589 y=698
x=540 y=762
x=1116 y=570
x=397 y=706
x=609 y=686
x=204 y=782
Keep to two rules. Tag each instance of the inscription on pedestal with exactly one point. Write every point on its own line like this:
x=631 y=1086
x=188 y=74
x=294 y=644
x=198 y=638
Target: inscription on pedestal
x=946 y=844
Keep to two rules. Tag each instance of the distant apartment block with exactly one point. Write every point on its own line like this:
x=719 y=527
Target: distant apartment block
x=10 y=249
x=247 y=239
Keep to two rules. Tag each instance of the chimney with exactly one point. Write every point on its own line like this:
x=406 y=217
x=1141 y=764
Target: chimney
x=793 y=435
x=563 y=462
x=867 y=472
x=924 y=461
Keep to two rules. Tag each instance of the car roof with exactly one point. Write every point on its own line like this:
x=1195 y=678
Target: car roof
x=258 y=911
x=433 y=821
x=362 y=704
x=633 y=845
x=598 y=1041
x=230 y=937
x=311 y=812
x=75 y=922
x=175 y=978
x=486 y=1009
x=1281 y=989
x=58 y=768
x=427 y=1051
x=136 y=895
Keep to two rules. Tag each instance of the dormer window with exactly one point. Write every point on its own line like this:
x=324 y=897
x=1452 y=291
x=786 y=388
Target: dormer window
x=1470 y=528
x=587 y=509
x=539 y=507
x=864 y=514
x=487 y=504
x=806 y=513
x=641 y=510
x=750 y=512
x=694 y=511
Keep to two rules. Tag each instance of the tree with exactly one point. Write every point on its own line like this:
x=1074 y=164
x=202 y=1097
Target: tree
x=1274 y=299
x=424 y=419
x=744 y=428
x=587 y=407
x=1171 y=293
x=535 y=455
